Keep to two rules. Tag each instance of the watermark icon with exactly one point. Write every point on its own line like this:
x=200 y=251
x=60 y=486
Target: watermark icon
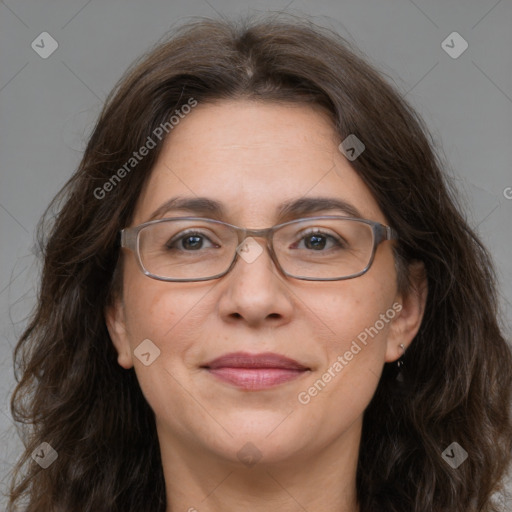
x=455 y=455
x=304 y=397
x=454 y=45
x=147 y=352
x=507 y=192
x=502 y=501
x=45 y=455
x=44 y=45
x=249 y=454
x=249 y=249
x=158 y=133
x=352 y=147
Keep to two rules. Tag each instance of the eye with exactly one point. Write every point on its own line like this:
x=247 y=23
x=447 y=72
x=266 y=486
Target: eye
x=189 y=241
x=317 y=240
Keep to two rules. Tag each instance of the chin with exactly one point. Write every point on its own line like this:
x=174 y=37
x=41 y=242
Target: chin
x=270 y=437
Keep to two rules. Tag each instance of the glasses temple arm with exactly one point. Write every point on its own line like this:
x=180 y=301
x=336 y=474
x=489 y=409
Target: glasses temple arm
x=128 y=238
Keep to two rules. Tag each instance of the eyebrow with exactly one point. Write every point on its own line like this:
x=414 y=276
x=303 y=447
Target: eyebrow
x=295 y=208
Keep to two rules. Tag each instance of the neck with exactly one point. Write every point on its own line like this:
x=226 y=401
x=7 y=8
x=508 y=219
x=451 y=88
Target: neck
x=200 y=481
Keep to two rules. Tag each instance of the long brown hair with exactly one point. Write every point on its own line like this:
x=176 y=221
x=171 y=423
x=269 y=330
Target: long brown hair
x=457 y=380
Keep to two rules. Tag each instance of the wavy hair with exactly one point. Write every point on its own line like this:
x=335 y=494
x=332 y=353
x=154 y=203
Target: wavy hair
x=457 y=380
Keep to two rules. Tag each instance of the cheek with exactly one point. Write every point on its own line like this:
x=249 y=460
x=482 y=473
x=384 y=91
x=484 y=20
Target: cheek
x=162 y=312
x=169 y=316
x=358 y=348
x=349 y=308
x=358 y=315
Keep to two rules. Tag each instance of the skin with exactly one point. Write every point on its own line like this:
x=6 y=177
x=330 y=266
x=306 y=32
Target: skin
x=251 y=156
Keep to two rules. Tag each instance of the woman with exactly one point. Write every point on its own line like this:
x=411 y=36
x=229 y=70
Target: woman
x=259 y=294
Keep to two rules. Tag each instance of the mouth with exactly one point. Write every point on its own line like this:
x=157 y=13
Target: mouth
x=253 y=372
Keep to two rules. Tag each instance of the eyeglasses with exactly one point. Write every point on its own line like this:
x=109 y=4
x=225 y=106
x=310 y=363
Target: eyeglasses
x=326 y=248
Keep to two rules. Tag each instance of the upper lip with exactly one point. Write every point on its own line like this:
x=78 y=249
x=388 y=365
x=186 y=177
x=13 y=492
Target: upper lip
x=246 y=360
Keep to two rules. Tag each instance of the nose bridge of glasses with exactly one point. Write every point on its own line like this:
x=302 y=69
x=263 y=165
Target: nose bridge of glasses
x=256 y=233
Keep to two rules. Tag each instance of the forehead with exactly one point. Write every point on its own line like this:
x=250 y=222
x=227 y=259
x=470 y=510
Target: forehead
x=252 y=157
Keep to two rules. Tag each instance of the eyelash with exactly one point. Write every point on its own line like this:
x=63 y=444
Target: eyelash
x=314 y=231
x=182 y=236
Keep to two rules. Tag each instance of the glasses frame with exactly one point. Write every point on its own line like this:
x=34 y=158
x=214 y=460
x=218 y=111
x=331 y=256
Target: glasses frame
x=130 y=240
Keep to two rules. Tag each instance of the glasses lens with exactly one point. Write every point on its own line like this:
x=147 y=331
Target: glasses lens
x=186 y=249
x=308 y=248
x=324 y=248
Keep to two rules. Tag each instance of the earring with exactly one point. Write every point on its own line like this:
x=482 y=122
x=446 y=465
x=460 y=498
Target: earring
x=400 y=363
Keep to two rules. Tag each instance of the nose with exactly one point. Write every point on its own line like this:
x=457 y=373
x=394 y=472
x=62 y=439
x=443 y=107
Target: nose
x=254 y=291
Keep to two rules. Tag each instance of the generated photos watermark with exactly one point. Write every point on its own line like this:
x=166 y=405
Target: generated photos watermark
x=351 y=147
x=147 y=352
x=304 y=397
x=45 y=455
x=454 y=455
x=137 y=156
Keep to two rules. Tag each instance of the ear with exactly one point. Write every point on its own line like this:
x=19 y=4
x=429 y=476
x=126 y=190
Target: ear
x=116 y=325
x=410 y=309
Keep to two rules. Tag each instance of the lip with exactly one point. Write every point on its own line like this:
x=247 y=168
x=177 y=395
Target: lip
x=254 y=372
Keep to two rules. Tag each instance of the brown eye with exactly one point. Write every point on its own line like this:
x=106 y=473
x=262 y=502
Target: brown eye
x=191 y=241
x=318 y=241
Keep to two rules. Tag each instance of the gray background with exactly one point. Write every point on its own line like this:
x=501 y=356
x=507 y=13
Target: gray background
x=48 y=107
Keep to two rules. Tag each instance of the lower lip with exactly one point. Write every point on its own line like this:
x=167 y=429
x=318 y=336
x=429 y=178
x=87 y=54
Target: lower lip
x=255 y=378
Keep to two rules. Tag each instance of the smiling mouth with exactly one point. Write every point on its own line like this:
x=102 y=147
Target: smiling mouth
x=254 y=372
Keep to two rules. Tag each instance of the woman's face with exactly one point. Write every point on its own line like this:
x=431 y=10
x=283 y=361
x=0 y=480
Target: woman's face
x=251 y=157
